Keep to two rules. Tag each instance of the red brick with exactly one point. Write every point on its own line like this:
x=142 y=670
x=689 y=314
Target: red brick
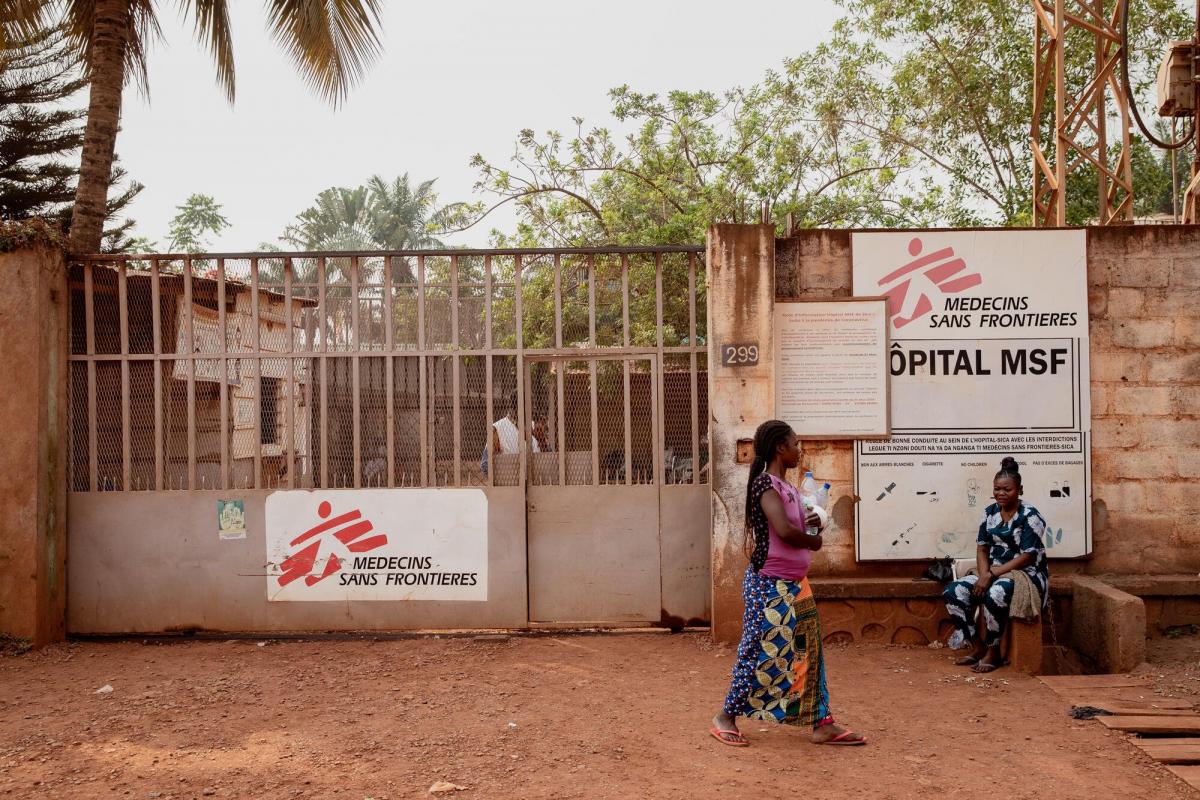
x=1122 y=497
x=1098 y=271
x=1124 y=303
x=1140 y=272
x=1144 y=334
x=1172 y=302
x=1186 y=401
x=1187 y=331
x=1137 y=465
x=1118 y=366
x=1185 y=271
x=1171 y=432
x=1181 y=495
x=1102 y=399
x=1149 y=528
x=1188 y=462
x=1175 y=369
x=1116 y=432
x=1155 y=401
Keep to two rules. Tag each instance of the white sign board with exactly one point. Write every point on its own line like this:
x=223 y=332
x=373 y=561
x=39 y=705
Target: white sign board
x=377 y=544
x=988 y=358
x=831 y=367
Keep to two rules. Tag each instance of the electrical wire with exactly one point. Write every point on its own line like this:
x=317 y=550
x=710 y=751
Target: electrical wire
x=1131 y=100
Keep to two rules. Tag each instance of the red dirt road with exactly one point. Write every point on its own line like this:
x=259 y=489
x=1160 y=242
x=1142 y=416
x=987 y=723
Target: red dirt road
x=617 y=716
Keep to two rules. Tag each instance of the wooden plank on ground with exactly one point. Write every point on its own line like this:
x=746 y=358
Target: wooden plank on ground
x=1150 y=724
x=1171 y=753
x=1107 y=701
x=1141 y=710
x=1190 y=775
x=1059 y=683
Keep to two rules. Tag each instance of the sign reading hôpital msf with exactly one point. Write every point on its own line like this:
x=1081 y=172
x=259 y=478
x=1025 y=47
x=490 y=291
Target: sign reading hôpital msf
x=988 y=358
x=377 y=544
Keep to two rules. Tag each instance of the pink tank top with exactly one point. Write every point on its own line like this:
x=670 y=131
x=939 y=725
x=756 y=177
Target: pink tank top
x=784 y=560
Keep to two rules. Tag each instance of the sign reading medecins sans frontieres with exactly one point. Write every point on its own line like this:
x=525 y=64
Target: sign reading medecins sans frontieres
x=377 y=544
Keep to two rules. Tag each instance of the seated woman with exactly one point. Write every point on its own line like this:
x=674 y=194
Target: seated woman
x=1010 y=542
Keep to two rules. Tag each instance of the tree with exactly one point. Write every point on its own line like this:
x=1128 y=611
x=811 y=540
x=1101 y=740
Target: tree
x=696 y=157
x=962 y=70
x=40 y=132
x=910 y=114
x=330 y=43
x=198 y=216
x=379 y=215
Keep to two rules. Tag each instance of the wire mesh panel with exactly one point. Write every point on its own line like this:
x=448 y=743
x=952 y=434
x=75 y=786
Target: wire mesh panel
x=579 y=439
x=372 y=421
x=542 y=420
x=473 y=421
x=406 y=421
x=278 y=370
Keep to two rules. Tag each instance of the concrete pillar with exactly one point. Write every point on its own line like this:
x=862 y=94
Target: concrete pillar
x=34 y=295
x=741 y=298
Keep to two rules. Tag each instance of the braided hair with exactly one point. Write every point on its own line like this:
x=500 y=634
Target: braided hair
x=1011 y=470
x=767 y=439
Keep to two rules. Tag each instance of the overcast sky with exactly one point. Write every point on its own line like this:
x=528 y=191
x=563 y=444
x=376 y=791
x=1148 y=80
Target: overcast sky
x=454 y=79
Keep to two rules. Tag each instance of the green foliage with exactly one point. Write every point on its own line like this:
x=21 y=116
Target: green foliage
x=20 y=234
x=40 y=132
x=693 y=158
x=379 y=215
x=963 y=72
x=909 y=114
x=194 y=220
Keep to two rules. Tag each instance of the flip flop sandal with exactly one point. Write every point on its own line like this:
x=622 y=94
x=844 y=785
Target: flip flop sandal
x=966 y=661
x=842 y=739
x=986 y=667
x=720 y=736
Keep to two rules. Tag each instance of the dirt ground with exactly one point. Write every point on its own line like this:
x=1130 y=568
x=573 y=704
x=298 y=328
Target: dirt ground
x=620 y=716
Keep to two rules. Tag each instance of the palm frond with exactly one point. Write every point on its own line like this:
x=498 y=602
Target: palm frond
x=331 y=42
x=211 y=18
x=21 y=20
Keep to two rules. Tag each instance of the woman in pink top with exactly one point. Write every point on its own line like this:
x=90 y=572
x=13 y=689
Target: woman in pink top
x=780 y=670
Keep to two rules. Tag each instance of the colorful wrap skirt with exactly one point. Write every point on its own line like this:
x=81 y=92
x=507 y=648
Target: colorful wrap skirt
x=780 y=670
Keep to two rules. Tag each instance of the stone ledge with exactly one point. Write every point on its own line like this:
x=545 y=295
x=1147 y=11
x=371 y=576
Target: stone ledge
x=849 y=588
x=898 y=588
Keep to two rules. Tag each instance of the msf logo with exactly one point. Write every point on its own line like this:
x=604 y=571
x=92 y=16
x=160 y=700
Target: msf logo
x=348 y=528
x=912 y=288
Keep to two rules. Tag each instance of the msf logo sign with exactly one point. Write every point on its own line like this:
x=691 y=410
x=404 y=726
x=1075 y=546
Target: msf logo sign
x=350 y=529
x=912 y=289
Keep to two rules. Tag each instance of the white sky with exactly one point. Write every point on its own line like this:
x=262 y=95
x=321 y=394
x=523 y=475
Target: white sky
x=455 y=78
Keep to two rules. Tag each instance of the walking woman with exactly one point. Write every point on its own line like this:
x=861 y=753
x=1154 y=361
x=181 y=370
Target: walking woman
x=780 y=670
x=1011 y=573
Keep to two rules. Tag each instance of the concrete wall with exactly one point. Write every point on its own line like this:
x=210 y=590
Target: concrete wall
x=741 y=297
x=1144 y=290
x=33 y=417
x=144 y=562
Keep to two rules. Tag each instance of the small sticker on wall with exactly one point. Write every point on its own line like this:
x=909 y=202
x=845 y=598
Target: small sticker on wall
x=231 y=519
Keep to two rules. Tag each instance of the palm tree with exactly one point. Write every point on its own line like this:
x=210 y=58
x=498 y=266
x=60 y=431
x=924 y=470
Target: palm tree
x=401 y=216
x=330 y=43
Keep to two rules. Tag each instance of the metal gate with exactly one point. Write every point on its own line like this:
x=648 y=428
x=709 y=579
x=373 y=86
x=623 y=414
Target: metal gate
x=255 y=372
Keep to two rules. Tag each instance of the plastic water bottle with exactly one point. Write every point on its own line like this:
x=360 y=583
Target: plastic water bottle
x=823 y=497
x=808 y=495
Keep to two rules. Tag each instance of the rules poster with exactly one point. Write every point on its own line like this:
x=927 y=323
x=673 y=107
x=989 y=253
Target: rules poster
x=988 y=358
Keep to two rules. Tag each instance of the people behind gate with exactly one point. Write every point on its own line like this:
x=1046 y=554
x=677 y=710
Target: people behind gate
x=506 y=435
x=779 y=674
x=1011 y=576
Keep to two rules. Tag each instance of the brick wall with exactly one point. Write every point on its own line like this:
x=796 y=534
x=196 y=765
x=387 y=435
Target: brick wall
x=1144 y=293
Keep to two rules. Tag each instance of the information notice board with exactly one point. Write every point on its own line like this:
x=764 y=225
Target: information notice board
x=988 y=358
x=831 y=370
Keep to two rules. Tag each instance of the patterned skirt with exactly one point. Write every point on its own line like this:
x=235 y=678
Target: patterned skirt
x=780 y=670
